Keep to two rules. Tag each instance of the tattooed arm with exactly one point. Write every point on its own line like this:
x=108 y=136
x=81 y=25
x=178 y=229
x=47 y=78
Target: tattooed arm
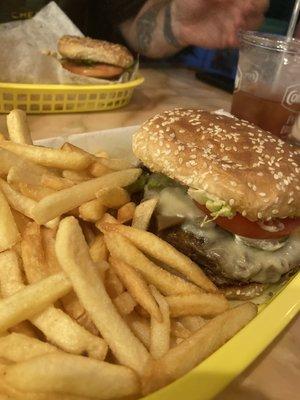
x=163 y=27
x=151 y=31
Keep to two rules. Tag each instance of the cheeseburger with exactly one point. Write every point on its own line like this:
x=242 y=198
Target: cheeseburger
x=94 y=58
x=228 y=196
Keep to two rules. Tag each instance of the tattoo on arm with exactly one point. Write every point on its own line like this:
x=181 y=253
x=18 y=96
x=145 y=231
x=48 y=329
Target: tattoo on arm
x=167 y=28
x=146 y=25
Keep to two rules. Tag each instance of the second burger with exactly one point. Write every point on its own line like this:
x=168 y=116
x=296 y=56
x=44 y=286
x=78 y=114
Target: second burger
x=94 y=58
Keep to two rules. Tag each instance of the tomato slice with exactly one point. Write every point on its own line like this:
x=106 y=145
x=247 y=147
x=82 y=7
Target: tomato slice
x=240 y=225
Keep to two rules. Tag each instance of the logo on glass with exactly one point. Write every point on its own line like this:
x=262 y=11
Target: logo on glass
x=252 y=76
x=291 y=97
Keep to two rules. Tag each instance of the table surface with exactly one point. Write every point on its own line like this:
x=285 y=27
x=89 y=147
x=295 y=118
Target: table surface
x=275 y=374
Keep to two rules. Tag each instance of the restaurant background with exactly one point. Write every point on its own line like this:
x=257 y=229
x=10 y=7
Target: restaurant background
x=101 y=20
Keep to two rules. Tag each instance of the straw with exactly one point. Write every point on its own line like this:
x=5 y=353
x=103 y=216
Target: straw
x=289 y=38
x=293 y=20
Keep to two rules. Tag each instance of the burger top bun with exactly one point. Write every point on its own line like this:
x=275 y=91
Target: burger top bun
x=254 y=172
x=100 y=51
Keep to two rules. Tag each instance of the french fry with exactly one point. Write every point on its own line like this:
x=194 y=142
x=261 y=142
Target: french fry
x=85 y=321
x=53 y=223
x=136 y=286
x=106 y=219
x=203 y=304
x=178 y=341
x=55 y=182
x=25 y=328
x=32 y=300
x=93 y=296
x=74 y=212
x=9 y=234
x=70 y=301
x=48 y=243
x=10 y=393
x=34 y=261
x=185 y=356
x=17 y=347
x=164 y=252
x=120 y=247
x=88 y=232
x=102 y=267
x=97 y=169
x=192 y=322
x=16 y=200
x=113 y=197
x=116 y=164
x=92 y=210
x=75 y=310
x=98 y=249
x=17 y=248
x=65 y=373
x=21 y=220
x=17 y=127
x=160 y=330
x=52 y=321
x=36 y=268
x=48 y=157
x=126 y=212
x=142 y=312
x=71 y=148
x=143 y=213
x=125 y=303
x=34 y=192
x=22 y=174
x=67 y=199
x=178 y=330
x=11 y=280
x=76 y=176
x=101 y=154
x=75 y=339
x=10 y=160
x=140 y=327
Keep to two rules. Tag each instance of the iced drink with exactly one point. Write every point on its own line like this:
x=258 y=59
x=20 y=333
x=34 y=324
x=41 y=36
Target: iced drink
x=267 y=87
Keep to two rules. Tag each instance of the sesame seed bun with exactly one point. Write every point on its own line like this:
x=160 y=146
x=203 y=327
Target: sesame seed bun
x=100 y=51
x=256 y=173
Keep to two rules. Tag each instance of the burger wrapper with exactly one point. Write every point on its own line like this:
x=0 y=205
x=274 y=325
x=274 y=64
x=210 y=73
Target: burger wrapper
x=28 y=51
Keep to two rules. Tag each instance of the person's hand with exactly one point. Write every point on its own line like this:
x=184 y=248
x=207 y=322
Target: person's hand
x=215 y=23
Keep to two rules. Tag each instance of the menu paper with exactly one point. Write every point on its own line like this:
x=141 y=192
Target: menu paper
x=117 y=142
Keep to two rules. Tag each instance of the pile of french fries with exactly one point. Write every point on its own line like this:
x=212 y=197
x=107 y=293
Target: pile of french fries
x=93 y=306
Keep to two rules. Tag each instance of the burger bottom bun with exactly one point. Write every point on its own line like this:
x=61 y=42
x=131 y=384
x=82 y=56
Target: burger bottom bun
x=245 y=292
x=103 y=71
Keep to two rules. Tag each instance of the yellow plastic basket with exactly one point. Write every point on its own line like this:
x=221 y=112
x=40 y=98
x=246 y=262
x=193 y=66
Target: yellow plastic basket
x=36 y=99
